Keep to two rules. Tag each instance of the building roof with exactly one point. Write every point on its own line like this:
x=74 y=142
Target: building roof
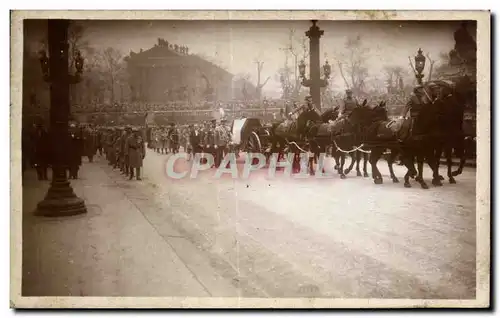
x=163 y=54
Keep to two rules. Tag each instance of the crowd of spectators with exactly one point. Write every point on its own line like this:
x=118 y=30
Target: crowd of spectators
x=171 y=106
x=130 y=107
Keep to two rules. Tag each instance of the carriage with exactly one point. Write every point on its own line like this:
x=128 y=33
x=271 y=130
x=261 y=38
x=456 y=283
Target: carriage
x=249 y=135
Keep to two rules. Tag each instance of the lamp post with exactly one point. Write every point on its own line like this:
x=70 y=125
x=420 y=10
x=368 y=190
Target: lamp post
x=314 y=82
x=419 y=66
x=60 y=199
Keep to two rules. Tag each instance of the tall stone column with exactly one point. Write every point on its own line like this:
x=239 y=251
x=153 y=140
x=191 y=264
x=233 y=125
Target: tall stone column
x=60 y=199
x=314 y=35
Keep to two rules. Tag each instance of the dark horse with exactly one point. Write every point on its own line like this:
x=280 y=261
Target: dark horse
x=308 y=134
x=382 y=134
x=451 y=108
x=345 y=134
x=414 y=140
x=332 y=115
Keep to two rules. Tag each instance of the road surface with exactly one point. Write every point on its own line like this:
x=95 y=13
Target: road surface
x=283 y=237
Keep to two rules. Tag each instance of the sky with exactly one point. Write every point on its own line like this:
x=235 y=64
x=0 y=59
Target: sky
x=236 y=44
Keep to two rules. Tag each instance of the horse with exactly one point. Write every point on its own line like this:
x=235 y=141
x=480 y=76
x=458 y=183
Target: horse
x=310 y=129
x=345 y=135
x=451 y=109
x=382 y=134
x=331 y=115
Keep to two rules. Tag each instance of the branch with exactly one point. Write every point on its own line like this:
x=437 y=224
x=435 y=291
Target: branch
x=429 y=77
x=265 y=82
x=342 y=74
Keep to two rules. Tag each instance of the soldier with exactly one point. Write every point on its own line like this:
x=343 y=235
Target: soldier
x=120 y=133
x=41 y=151
x=414 y=105
x=89 y=143
x=195 y=139
x=100 y=140
x=136 y=152
x=173 y=138
x=209 y=137
x=125 y=158
x=75 y=150
x=164 y=140
x=110 y=141
x=220 y=142
x=348 y=104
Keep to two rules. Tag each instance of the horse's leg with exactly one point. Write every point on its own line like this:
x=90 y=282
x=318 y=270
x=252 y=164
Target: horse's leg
x=358 y=159
x=295 y=163
x=351 y=165
x=390 y=162
x=406 y=157
x=438 y=155
x=433 y=158
x=341 y=166
x=336 y=155
x=420 y=167
x=460 y=150
x=449 y=162
x=365 y=162
x=374 y=158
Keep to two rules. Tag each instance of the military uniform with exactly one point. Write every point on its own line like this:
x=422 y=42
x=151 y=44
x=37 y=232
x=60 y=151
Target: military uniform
x=209 y=139
x=414 y=106
x=75 y=151
x=220 y=141
x=347 y=106
x=41 y=152
x=195 y=140
x=164 y=140
x=89 y=143
x=136 y=151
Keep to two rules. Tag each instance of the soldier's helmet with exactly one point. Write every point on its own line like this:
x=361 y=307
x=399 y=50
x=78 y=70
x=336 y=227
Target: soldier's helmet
x=348 y=91
x=308 y=98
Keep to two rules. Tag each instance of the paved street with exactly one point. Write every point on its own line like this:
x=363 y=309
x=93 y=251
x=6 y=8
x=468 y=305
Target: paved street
x=278 y=237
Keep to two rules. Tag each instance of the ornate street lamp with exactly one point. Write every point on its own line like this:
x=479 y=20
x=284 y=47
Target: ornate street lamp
x=315 y=82
x=308 y=82
x=419 y=66
x=60 y=199
x=302 y=69
x=327 y=70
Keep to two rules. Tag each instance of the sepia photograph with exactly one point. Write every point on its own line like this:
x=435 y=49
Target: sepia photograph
x=259 y=159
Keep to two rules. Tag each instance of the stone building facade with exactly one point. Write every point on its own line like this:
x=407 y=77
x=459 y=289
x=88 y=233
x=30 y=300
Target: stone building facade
x=168 y=72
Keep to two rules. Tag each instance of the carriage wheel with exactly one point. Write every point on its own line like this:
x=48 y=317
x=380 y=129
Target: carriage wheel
x=254 y=145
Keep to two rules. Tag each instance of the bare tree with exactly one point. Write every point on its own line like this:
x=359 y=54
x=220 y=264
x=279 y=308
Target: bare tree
x=242 y=83
x=395 y=74
x=77 y=42
x=260 y=85
x=429 y=76
x=112 y=62
x=354 y=58
x=297 y=47
x=283 y=75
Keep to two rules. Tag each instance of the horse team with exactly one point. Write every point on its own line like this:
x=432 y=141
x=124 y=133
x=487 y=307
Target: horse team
x=435 y=126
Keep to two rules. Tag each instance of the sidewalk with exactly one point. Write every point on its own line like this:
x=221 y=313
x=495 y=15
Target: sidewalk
x=110 y=251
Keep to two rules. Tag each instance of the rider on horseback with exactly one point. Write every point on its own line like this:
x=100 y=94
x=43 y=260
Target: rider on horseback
x=348 y=105
x=414 y=105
